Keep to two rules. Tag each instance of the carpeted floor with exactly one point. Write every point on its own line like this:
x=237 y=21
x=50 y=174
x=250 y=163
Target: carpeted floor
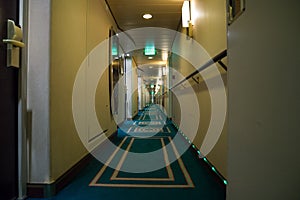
x=187 y=177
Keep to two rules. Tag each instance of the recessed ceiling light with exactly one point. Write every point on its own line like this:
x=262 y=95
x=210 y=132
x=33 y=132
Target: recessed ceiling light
x=147 y=16
x=150 y=58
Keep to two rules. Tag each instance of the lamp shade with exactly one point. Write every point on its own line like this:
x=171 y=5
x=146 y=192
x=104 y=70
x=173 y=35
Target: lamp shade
x=186 y=16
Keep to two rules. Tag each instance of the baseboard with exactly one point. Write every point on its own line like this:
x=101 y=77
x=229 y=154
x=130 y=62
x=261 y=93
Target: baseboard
x=211 y=169
x=135 y=115
x=219 y=178
x=205 y=162
x=49 y=190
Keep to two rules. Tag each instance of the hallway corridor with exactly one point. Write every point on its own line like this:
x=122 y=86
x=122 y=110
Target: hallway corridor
x=186 y=178
x=149 y=99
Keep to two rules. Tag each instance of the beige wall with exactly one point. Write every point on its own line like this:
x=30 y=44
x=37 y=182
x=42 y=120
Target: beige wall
x=77 y=26
x=209 y=19
x=38 y=64
x=209 y=30
x=263 y=107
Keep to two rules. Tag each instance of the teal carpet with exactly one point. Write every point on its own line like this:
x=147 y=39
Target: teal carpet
x=186 y=178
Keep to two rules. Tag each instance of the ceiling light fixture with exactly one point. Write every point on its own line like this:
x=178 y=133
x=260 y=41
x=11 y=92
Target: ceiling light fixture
x=150 y=58
x=147 y=16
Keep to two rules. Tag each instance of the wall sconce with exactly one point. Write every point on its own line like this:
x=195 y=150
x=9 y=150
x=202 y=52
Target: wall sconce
x=186 y=18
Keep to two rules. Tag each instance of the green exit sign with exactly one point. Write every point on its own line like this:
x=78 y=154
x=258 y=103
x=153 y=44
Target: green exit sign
x=114 y=51
x=150 y=51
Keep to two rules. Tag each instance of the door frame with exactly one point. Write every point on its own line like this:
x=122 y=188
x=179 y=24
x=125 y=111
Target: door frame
x=22 y=105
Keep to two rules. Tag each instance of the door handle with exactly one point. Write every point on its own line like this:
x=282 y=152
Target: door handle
x=14 y=43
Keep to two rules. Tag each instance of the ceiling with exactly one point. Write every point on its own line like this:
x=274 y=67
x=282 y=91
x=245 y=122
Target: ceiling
x=129 y=16
x=128 y=13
